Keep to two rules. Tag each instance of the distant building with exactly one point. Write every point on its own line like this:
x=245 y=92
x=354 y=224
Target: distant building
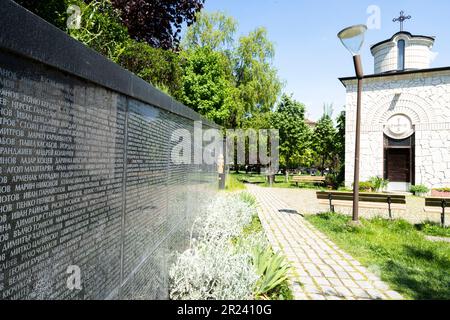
x=405 y=116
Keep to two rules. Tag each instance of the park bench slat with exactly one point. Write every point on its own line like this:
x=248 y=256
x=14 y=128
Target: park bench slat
x=365 y=197
x=366 y=205
x=437 y=204
x=308 y=178
x=370 y=200
x=380 y=195
x=362 y=198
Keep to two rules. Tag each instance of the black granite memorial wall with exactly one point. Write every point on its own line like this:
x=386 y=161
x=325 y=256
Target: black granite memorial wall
x=86 y=178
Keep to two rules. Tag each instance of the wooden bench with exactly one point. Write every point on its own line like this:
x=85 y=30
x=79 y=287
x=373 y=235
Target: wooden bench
x=437 y=205
x=368 y=200
x=307 y=179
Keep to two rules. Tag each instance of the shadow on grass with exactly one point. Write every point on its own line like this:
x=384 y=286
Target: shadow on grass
x=433 y=229
x=415 y=267
x=419 y=284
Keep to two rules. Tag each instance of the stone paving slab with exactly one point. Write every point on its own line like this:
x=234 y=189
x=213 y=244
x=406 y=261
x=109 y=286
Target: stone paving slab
x=438 y=239
x=321 y=270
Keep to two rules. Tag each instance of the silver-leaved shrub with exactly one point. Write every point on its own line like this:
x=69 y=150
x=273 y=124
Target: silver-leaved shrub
x=213 y=268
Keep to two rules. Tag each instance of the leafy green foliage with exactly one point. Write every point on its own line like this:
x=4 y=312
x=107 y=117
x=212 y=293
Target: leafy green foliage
x=272 y=269
x=332 y=181
x=340 y=148
x=340 y=137
x=366 y=186
x=419 y=189
x=378 y=183
x=256 y=77
x=208 y=86
x=101 y=28
x=50 y=10
x=103 y=31
x=289 y=119
x=162 y=68
x=324 y=142
x=231 y=81
x=245 y=84
x=214 y=30
x=249 y=199
x=412 y=265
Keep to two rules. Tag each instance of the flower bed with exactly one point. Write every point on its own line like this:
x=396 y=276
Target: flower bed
x=441 y=193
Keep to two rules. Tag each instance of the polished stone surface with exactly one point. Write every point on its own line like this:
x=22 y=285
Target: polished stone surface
x=86 y=180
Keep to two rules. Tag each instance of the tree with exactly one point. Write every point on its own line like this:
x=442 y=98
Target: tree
x=255 y=82
x=208 y=86
x=340 y=147
x=101 y=29
x=49 y=10
x=289 y=119
x=340 y=137
x=214 y=30
x=158 y=22
x=256 y=77
x=324 y=141
x=162 y=68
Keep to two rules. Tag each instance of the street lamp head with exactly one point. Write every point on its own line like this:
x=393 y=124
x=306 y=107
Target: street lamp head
x=353 y=38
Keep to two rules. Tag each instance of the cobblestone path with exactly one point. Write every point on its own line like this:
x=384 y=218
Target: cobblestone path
x=321 y=270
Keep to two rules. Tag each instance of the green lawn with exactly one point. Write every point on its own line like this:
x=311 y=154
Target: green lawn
x=233 y=184
x=415 y=267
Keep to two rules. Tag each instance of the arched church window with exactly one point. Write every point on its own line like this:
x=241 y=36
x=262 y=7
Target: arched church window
x=401 y=54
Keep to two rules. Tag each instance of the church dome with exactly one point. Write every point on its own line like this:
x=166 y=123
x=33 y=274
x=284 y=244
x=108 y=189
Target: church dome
x=402 y=52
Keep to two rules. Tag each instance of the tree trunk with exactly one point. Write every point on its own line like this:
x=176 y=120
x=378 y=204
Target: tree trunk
x=323 y=165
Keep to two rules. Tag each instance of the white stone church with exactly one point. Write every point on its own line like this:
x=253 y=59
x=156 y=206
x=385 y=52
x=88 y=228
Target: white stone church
x=405 y=130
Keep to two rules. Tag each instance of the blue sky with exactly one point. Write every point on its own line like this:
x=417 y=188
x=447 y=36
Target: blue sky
x=309 y=56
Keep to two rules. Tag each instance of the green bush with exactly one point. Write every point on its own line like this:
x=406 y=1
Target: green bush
x=248 y=198
x=379 y=184
x=419 y=189
x=366 y=186
x=102 y=30
x=53 y=11
x=272 y=269
x=332 y=181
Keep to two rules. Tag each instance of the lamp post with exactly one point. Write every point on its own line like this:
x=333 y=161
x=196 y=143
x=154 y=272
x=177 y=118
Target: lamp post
x=353 y=38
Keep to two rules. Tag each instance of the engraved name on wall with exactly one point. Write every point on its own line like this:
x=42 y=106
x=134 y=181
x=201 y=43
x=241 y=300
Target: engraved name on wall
x=61 y=173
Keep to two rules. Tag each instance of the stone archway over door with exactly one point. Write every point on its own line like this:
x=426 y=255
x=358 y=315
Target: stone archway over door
x=399 y=163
